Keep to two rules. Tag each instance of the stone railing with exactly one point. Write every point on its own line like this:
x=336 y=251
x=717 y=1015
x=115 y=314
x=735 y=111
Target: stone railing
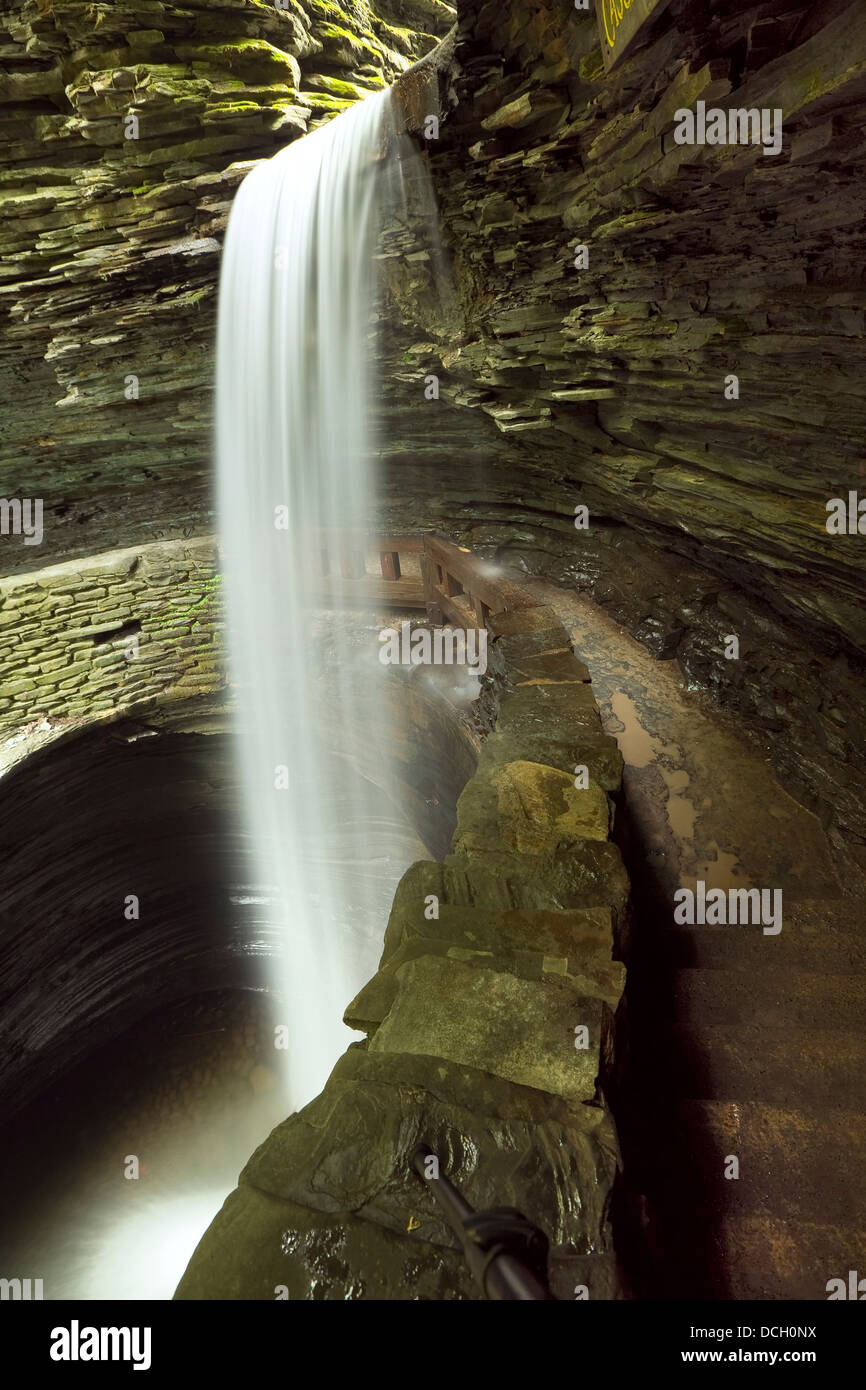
x=417 y=571
x=112 y=631
x=93 y=635
x=488 y=1023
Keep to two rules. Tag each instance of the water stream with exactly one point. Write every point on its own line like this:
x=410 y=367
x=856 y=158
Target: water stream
x=296 y=489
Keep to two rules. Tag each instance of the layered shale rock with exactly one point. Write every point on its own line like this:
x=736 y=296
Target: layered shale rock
x=120 y=125
x=563 y=380
x=608 y=284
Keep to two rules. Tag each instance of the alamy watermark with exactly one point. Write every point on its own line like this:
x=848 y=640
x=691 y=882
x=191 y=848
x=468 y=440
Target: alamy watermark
x=22 y=517
x=23 y=1290
x=846 y=518
x=441 y=646
x=76 y=1343
x=736 y=126
x=735 y=907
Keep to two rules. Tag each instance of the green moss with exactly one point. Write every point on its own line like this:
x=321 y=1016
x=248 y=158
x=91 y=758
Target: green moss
x=225 y=106
x=335 y=87
x=253 y=58
x=196 y=296
x=350 y=41
x=203 y=607
x=591 y=68
x=320 y=101
x=404 y=40
x=325 y=9
x=285 y=5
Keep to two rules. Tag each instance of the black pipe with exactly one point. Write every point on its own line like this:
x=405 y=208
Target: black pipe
x=506 y=1252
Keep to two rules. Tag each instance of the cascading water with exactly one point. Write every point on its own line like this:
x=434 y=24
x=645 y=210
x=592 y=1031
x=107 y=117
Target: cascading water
x=297 y=294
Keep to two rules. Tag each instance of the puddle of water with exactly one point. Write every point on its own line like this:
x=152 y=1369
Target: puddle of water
x=638 y=748
x=724 y=871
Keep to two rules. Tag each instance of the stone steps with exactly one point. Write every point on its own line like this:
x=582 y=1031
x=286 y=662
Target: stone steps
x=821 y=1069
x=776 y=998
x=761 y=1043
x=835 y=952
x=765 y=1258
x=792 y=1166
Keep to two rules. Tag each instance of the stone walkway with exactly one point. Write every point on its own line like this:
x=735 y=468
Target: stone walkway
x=742 y=1045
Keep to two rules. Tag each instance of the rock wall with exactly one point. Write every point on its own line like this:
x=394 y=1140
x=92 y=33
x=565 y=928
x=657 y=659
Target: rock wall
x=565 y=380
x=494 y=961
x=603 y=383
x=119 y=125
x=90 y=636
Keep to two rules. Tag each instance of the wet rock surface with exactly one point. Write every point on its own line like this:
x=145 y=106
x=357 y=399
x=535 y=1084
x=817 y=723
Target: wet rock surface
x=601 y=386
x=489 y=1032
x=561 y=385
x=739 y=1044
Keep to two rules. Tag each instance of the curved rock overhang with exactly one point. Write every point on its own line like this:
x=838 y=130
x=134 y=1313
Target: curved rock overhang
x=125 y=877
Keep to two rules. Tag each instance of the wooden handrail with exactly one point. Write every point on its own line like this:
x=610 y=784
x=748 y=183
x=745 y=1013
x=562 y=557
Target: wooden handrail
x=454 y=585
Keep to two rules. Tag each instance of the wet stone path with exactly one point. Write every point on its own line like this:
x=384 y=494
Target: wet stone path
x=742 y=1057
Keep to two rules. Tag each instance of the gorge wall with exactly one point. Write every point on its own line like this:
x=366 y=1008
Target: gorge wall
x=119 y=125
x=602 y=386
x=598 y=383
x=605 y=385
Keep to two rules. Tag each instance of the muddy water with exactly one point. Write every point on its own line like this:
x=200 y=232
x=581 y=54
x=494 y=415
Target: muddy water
x=702 y=794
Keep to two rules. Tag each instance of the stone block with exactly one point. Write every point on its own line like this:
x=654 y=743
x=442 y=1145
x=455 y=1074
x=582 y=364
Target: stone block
x=520 y=1030
x=528 y=808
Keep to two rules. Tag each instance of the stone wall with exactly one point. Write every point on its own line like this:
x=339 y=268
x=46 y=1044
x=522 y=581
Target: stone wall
x=97 y=634
x=493 y=961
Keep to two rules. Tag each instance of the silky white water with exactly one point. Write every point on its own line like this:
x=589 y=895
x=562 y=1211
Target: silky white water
x=297 y=296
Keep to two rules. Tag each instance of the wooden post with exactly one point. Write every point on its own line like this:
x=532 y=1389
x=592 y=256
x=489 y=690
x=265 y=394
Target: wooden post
x=390 y=562
x=428 y=579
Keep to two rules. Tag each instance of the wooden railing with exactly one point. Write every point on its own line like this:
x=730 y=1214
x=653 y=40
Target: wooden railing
x=463 y=589
x=425 y=572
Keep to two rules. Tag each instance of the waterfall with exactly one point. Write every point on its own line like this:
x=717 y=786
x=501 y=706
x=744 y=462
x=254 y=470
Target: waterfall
x=297 y=296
